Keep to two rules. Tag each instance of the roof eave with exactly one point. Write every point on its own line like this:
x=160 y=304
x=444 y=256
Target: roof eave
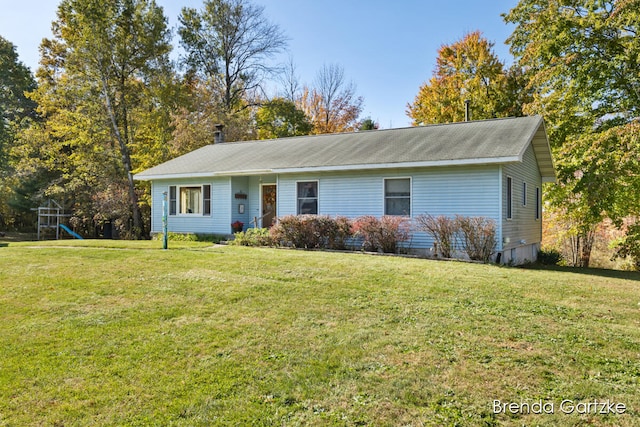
x=542 y=150
x=187 y=175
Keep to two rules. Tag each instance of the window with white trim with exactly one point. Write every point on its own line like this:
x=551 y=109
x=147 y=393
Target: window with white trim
x=307 y=196
x=397 y=196
x=190 y=200
x=524 y=194
x=538 y=203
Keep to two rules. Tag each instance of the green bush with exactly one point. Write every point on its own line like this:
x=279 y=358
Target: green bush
x=177 y=237
x=190 y=237
x=549 y=256
x=252 y=237
x=629 y=246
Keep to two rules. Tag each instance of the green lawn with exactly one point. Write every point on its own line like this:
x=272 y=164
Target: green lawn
x=122 y=333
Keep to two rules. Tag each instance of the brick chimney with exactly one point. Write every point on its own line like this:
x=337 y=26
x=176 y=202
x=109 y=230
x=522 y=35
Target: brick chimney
x=218 y=135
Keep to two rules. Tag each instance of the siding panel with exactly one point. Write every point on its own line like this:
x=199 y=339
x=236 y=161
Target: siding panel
x=219 y=222
x=240 y=184
x=471 y=191
x=523 y=226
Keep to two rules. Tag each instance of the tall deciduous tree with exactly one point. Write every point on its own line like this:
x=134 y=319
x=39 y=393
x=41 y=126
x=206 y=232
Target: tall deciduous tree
x=15 y=80
x=290 y=81
x=195 y=122
x=332 y=104
x=582 y=58
x=467 y=70
x=100 y=77
x=229 y=44
x=280 y=118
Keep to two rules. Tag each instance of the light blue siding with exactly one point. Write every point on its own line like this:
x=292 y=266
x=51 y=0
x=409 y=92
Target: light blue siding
x=456 y=190
x=470 y=191
x=240 y=185
x=219 y=222
x=523 y=226
x=221 y=200
x=522 y=234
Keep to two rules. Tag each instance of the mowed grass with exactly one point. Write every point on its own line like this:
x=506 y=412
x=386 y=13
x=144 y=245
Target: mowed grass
x=124 y=333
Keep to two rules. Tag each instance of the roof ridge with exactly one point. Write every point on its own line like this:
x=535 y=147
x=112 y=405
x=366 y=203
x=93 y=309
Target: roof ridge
x=377 y=130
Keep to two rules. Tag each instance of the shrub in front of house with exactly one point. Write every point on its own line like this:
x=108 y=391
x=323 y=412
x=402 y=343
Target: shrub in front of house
x=442 y=229
x=312 y=231
x=294 y=231
x=336 y=230
x=177 y=237
x=549 y=256
x=381 y=234
x=477 y=236
x=252 y=237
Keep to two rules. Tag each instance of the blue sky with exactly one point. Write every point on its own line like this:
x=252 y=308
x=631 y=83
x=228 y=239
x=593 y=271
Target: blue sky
x=387 y=48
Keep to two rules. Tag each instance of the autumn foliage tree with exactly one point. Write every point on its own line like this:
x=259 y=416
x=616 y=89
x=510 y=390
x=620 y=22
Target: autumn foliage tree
x=468 y=70
x=100 y=97
x=582 y=60
x=332 y=103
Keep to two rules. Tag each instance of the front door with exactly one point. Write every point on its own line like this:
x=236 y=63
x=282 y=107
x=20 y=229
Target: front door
x=268 y=204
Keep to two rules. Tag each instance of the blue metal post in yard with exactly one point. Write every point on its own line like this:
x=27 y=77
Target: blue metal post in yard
x=165 y=226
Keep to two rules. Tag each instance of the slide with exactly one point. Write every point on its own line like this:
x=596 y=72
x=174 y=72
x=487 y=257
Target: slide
x=70 y=231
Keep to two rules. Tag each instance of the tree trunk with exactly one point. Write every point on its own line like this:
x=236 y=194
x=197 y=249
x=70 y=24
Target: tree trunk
x=587 y=245
x=126 y=161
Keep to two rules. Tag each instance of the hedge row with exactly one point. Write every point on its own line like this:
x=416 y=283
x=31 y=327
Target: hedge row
x=324 y=232
x=474 y=235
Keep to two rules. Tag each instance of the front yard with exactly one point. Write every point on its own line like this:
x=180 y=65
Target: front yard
x=123 y=333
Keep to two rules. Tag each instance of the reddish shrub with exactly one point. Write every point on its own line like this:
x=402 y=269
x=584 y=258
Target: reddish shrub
x=443 y=229
x=381 y=234
x=312 y=231
x=478 y=236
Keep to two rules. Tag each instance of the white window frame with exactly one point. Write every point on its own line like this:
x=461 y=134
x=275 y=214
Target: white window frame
x=178 y=200
x=384 y=195
x=317 y=196
x=524 y=193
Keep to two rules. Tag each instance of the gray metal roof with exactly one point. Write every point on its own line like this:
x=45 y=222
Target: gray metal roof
x=478 y=142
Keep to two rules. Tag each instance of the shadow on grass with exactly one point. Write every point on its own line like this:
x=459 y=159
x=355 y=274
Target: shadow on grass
x=3 y=245
x=601 y=272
